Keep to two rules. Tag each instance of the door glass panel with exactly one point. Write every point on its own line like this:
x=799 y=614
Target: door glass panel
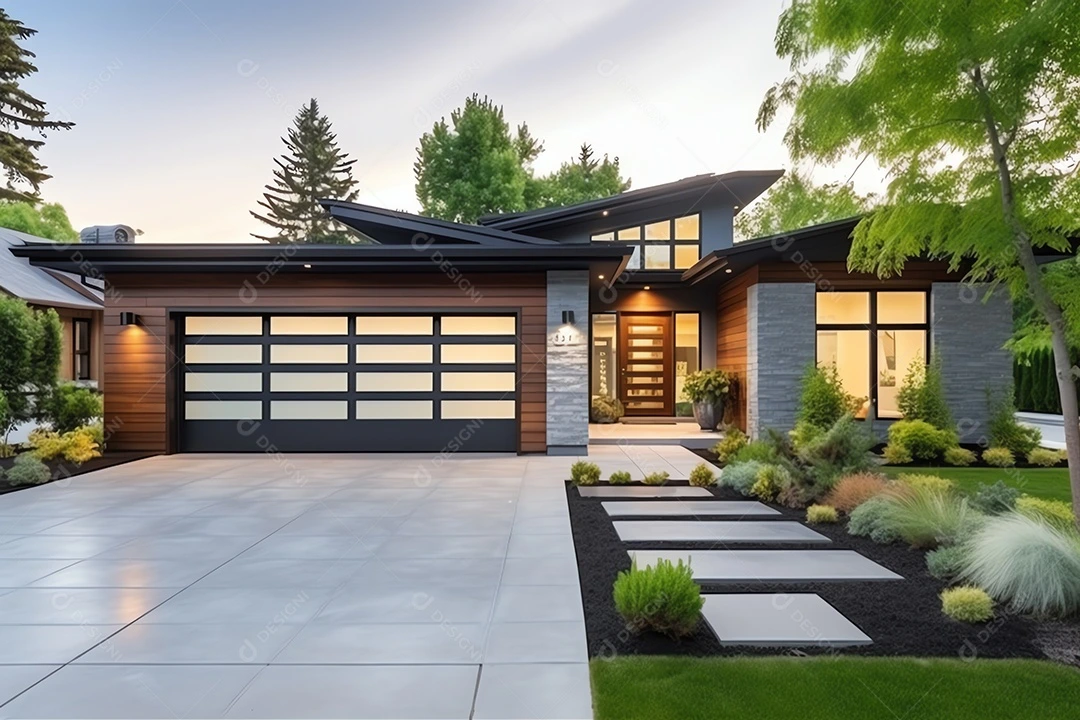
x=901 y=307
x=635 y=392
x=643 y=405
x=896 y=349
x=478 y=325
x=309 y=325
x=222 y=382
x=646 y=342
x=645 y=355
x=645 y=380
x=375 y=354
x=309 y=382
x=478 y=382
x=658 y=231
x=223 y=410
x=843 y=308
x=212 y=325
x=639 y=367
x=687 y=352
x=309 y=410
x=222 y=354
x=394 y=382
x=309 y=354
x=394 y=325
x=478 y=353
x=478 y=409
x=604 y=360
x=645 y=329
x=688 y=228
x=395 y=410
x=686 y=256
x=657 y=257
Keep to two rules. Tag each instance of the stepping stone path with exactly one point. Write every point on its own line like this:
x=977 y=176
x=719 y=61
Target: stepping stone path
x=665 y=508
x=720 y=531
x=771 y=566
x=642 y=491
x=779 y=620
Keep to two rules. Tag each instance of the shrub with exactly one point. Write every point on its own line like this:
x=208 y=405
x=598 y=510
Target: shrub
x=1004 y=430
x=841 y=450
x=756 y=451
x=663 y=597
x=619 y=477
x=823 y=400
x=28 y=470
x=873 y=519
x=1055 y=512
x=656 y=478
x=1044 y=457
x=1028 y=563
x=925 y=482
x=853 y=490
x=771 y=479
x=922 y=395
x=46 y=444
x=804 y=433
x=816 y=514
x=733 y=441
x=707 y=385
x=741 y=476
x=926 y=518
x=959 y=457
x=604 y=409
x=702 y=476
x=998 y=457
x=79 y=446
x=96 y=432
x=994 y=499
x=71 y=406
x=967 y=604
x=584 y=473
x=947 y=563
x=921 y=439
x=896 y=454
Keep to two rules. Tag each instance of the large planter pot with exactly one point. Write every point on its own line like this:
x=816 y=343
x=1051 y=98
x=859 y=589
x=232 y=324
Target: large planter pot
x=709 y=414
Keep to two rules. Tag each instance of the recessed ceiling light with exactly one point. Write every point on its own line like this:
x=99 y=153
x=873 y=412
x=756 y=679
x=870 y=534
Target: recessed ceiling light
x=736 y=207
x=308 y=266
x=600 y=276
x=604 y=213
x=646 y=287
x=727 y=270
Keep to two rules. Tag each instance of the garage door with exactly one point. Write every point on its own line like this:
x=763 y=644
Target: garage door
x=348 y=383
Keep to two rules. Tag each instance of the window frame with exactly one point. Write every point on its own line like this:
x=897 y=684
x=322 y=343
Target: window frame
x=873 y=327
x=77 y=353
x=641 y=242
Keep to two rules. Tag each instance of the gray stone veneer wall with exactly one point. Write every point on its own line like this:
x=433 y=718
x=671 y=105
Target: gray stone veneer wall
x=567 y=363
x=781 y=342
x=968 y=335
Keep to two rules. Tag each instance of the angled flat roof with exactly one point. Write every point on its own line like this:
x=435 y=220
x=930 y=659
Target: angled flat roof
x=36 y=285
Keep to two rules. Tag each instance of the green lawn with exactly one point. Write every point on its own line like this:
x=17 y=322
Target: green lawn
x=1049 y=483
x=831 y=688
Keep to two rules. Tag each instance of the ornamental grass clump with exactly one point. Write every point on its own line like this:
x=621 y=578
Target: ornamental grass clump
x=741 y=477
x=853 y=490
x=1027 y=563
x=817 y=514
x=927 y=518
x=619 y=477
x=663 y=598
x=947 y=563
x=702 y=476
x=584 y=473
x=967 y=604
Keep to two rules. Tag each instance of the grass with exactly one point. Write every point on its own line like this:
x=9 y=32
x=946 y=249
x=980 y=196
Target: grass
x=831 y=688
x=1049 y=483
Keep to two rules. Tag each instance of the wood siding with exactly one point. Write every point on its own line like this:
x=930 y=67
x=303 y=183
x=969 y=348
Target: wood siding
x=731 y=340
x=140 y=361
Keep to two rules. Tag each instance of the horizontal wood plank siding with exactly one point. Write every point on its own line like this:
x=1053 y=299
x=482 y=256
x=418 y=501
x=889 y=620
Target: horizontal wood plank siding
x=731 y=339
x=140 y=361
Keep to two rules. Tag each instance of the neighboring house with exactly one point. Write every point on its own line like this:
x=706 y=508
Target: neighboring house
x=492 y=337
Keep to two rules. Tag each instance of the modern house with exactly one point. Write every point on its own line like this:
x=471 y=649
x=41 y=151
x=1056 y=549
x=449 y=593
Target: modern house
x=493 y=337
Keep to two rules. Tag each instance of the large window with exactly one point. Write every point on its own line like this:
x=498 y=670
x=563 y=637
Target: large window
x=673 y=244
x=871 y=338
x=81 y=346
x=687 y=357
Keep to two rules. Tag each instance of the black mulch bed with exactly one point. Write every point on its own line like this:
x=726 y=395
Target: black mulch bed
x=62 y=469
x=901 y=617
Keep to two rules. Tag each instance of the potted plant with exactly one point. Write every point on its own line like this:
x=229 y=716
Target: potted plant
x=707 y=390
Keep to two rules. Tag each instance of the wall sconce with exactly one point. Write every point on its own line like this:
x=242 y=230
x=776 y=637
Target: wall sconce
x=567 y=317
x=129 y=318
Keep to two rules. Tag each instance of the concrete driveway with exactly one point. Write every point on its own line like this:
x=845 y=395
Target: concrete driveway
x=298 y=586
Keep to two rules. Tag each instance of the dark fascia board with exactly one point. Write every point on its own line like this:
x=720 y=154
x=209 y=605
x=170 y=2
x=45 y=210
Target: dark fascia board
x=743 y=186
x=368 y=219
x=201 y=258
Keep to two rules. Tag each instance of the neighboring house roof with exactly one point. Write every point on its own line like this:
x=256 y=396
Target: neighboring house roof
x=38 y=285
x=741 y=187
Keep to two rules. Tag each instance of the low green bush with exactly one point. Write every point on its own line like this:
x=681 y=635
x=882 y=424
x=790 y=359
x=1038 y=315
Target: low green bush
x=28 y=470
x=873 y=519
x=816 y=514
x=895 y=454
x=999 y=457
x=584 y=473
x=656 y=478
x=1055 y=512
x=619 y=477
x=921 y=439
x=922 y=481
x=927 y=518
x=994 y=499
x=959 y=457
x=843 y=449
x=922 y=394
x=662 y=597
x=71 y=406
x=823 y=399
x=733 y=441
x=947 y=563
x=1045 y=457
x=605 y=409
x=771 y=479
x=702 y=476
x=804 y=433
x=756 y=451
x=1005 y=431
x=741 y=476
x=967 y=604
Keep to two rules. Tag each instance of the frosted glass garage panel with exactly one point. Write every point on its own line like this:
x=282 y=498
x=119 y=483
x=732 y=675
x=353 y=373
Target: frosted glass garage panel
x=222 y=382
x=394 y=325
x=212 y=325
x=391 y=354
x=480 y=353
x=309 y=354
x=309 y=410
x=309 y=325
x=309 y=382
x=478 y=382
x=223 y=410
x=395 y=410
x=478 y=325
x=394 y=382
x=196 y=354
x=478 y=410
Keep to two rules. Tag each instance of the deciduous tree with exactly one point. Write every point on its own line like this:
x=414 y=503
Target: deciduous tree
x=795 y=202
x=47 y=220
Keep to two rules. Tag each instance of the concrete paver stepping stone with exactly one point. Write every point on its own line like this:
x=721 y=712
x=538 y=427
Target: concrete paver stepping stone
x=780 y=620
x=746 y=566
x=642 y=491
x=667 y=508
x=745 y=531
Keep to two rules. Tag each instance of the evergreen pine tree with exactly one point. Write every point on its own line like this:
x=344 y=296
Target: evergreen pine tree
x=313 y=169
x=19 y=109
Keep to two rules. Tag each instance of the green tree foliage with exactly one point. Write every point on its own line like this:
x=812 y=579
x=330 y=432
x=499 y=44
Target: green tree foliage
x=313 y=169
x=475 y=165
x=18 y=110
x=47 y=220
x=973 y=110
x=922 y=394
x=29 y=358
x=795 y=202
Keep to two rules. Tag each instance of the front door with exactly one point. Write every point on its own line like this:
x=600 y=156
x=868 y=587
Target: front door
x=645 y=349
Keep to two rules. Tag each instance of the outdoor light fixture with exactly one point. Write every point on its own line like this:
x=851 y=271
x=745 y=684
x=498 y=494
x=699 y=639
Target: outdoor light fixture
x=307 y=265
x=604 y=213
x=727 y=270
x=646 y=287
x=567 y=317
x=129 y=318
x=601 y=277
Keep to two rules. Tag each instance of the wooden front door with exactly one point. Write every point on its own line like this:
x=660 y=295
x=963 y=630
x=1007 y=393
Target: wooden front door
x=645 y=353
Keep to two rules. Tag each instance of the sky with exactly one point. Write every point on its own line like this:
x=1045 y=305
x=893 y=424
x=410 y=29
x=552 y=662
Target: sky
x=180 y=105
